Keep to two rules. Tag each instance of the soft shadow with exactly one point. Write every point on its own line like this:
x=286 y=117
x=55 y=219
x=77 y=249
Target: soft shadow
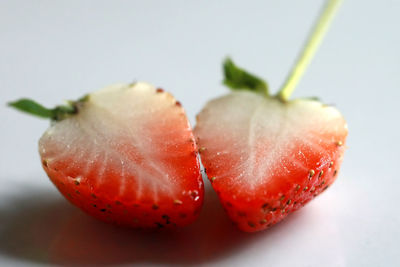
x=42 y=227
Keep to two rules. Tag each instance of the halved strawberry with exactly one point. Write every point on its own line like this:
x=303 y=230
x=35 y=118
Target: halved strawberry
x=124 y=154
x=267 y=156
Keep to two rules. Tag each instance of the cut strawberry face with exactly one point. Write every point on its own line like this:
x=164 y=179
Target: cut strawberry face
x=127 y=156
x=266 y=158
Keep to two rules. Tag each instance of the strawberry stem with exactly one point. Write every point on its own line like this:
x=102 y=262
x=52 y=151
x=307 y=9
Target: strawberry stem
x=309 y=49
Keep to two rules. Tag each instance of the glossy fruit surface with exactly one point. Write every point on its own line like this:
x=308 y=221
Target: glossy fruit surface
x=127 y=156
x=266 y=158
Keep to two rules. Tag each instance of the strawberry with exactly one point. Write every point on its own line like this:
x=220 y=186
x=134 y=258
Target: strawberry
x=125 y=155
x=267 y=156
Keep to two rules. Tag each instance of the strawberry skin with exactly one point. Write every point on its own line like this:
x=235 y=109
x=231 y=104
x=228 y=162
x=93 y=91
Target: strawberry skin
x=127 y=157
x=266 y=158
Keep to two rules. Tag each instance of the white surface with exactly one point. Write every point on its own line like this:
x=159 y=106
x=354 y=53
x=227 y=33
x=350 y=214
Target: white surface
x=54 y=50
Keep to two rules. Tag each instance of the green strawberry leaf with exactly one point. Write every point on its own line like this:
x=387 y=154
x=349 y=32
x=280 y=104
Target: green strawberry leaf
x=32 y=107
x=56 y=114
x=238 y=79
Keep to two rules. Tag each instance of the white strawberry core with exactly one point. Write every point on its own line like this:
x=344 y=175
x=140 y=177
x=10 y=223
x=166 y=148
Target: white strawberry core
x=126 y=131
x=261 y=137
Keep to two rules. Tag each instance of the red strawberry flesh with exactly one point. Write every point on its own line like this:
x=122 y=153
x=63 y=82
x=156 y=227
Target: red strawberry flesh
x=127 y=157
x=266 y=158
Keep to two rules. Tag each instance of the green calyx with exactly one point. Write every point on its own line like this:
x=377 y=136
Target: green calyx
x=239 y=79
x=55 y=114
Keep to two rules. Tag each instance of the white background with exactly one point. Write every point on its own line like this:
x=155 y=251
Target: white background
x=56 y=50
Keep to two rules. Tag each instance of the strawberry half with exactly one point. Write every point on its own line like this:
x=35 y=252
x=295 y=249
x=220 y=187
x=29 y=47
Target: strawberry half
x=125 y=155
x=267 y=156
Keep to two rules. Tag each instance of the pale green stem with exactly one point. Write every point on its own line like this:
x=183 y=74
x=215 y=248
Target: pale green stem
x=309 y=49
